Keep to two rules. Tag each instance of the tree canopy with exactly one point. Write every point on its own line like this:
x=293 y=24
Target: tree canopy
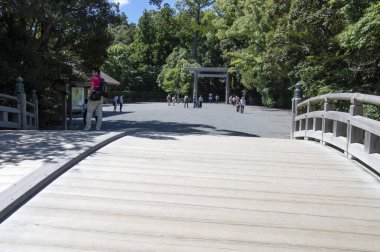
x=330 y=46
x=43 y=40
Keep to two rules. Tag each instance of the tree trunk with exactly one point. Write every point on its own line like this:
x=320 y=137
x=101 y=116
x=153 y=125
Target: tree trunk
x=194 y=53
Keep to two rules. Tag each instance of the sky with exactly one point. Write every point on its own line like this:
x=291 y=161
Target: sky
x=135 y=8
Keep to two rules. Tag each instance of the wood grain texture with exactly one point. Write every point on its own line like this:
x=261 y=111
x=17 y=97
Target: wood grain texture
x=203 y=193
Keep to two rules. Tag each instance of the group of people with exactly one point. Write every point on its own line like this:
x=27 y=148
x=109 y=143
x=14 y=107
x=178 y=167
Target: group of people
x=238 y=102
x=171 y=100
x=197 y=103
x=117 y=100
x=211 y=98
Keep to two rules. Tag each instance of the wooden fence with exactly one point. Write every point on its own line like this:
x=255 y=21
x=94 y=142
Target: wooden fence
x=18 y=113
x=358 y=136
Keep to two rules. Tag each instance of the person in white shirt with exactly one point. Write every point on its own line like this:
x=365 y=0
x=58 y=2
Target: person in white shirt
x=237 y=103
x=169 y=99
x=114 y=103
x=121 y=102
x=200 y=101
x=186 y=101
x=173 y=100
x=242 y=104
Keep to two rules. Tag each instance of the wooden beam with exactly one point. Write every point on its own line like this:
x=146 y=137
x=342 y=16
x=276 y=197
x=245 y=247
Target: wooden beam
x=212 y=75
x=207 y=69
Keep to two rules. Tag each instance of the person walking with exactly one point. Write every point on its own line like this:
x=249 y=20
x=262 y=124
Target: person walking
x=95 y=102
x=169 y=99
x=173 y=100
x=121 y=102
x=114 y=103
x=237 y=103
x=217 y=99
x=200 y=100
x=242 y=104
x=186 y=101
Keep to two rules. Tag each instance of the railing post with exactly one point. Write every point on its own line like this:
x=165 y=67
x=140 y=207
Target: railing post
x=310 y=108
x=326 y=125
x=356 y=109
x=298 y=94
x=35 y=102
x=371 y=143
x=22 y=102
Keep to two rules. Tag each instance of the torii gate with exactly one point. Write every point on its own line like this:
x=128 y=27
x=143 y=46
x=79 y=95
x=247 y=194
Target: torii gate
x=210 y=72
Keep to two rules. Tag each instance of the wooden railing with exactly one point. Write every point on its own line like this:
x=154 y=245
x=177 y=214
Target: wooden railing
x=17 y=113
x=357 y=136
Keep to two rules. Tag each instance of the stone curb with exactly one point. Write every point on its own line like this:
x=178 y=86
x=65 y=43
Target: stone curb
x=18 y=194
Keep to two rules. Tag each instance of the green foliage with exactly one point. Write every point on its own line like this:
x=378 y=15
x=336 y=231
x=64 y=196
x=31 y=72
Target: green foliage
x=362 y=49
x=41 y=40
x=174 y=76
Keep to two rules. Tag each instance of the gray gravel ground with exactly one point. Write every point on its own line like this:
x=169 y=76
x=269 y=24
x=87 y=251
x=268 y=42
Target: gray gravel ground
x=220 y=119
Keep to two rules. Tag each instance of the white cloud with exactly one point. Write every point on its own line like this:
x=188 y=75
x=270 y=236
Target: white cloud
x=121 y=2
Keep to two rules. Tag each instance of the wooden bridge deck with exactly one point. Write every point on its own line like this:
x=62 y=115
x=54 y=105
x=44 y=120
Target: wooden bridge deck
x=203 y=193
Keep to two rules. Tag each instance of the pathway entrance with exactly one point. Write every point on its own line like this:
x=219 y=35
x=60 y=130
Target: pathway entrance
x=210 y=72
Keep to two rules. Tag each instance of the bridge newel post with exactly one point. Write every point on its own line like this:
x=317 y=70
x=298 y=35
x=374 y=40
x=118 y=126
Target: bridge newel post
x=298 y=95
x=355 y=135
x=310 y=123
x=327 y=124
x=35 y=102
x=356 y=107
x=22 y=102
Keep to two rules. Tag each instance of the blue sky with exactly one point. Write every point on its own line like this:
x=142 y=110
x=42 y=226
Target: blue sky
x=134 y=8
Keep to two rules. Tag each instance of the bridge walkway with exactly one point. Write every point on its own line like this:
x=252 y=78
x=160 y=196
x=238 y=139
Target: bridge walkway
x=203 y=193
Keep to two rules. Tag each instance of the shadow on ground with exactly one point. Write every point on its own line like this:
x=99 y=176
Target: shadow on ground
x=18 y=146
x=165 y=130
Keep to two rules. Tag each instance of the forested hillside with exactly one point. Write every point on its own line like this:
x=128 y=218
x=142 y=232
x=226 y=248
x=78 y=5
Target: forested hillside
x=268 y=45
x=331 y=46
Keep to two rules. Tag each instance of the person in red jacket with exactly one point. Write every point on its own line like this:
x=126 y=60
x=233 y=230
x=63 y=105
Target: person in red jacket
x=95 y=101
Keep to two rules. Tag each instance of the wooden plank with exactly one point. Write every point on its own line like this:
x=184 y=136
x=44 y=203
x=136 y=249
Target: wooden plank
x=13 y=197
x=203 y=193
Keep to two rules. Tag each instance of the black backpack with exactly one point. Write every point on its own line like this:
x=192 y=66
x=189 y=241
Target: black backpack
x=103 y=87
x=102 y=91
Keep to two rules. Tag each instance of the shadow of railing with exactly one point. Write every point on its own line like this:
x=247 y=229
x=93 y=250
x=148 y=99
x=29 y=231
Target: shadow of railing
x=18 y=146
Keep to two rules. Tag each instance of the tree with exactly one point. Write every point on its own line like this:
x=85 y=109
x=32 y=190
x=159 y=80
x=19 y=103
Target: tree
x=194 y=7
x=41 y=40
x=173 y=75
x=362 y=49
x=156 y=2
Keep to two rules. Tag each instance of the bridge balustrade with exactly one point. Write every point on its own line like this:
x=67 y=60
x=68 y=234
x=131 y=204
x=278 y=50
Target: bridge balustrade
x=18 y=113
x=356 y=135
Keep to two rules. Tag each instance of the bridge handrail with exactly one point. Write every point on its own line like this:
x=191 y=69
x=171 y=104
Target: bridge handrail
x=356 y=135
x=17 y=116
x=363 y=98
x=8 y=97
